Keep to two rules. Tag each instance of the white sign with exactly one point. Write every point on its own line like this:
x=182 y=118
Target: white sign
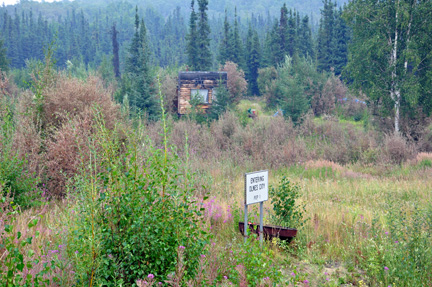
x=256 y=187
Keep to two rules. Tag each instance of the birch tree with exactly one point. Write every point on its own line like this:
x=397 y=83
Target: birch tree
x=386 y=54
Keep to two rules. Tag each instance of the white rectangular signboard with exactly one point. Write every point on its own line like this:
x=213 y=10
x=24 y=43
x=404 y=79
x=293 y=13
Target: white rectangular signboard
x=256 y=187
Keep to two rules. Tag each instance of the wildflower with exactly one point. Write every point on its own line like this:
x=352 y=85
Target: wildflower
x=151 y=276
x=386 y=233
x=54 y=251
x=325 y=273
x=327 y=279
x=76 y=252
x=306 y=281
x=181 y=247
x=293 y=274
x=267 y=278
x=225 y=277
x=386 y=268
x=159 y=283
x=110 y=256
x=203 y=256
x=396 y=242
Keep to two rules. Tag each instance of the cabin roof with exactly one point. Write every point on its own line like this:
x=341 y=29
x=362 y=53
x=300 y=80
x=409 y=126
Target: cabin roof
x=199 y=75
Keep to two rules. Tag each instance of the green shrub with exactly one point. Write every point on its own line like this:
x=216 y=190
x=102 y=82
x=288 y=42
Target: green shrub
x=14 y=258
x=134 y=214
x=13 y=173
x=253 y=263
x=286 y=212
x=425 y=163
x=399 y=253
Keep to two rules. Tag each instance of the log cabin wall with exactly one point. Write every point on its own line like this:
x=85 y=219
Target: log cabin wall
x=189 y=81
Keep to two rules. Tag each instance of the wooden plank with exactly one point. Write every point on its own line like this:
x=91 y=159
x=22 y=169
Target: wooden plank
x=209 y=82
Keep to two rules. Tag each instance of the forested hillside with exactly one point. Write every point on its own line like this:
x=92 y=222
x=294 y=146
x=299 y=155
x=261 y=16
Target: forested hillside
x=82 y=29
x=164 y=7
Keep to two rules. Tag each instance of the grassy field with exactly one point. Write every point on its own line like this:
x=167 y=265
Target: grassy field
x=105 y=200
x=354 y=220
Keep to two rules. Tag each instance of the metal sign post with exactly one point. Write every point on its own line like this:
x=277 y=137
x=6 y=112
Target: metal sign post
x=256 y=191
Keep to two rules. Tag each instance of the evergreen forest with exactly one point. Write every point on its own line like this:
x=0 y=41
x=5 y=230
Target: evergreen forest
x=114 y=172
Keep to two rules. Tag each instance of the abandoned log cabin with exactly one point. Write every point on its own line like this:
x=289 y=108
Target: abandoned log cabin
x=200 y=85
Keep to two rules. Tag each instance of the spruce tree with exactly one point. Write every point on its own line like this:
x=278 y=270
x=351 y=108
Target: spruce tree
x=204 y=59
x=291 y=35
x=326 y=39
x=237 y=51
x=253 y=59
x=225 y=48
x=115 y=46
x=4 y=63
x=274 y=53
x=341 y=34
x=137 y=81
x=305 y=44
x=192 y=39
x=283 y=34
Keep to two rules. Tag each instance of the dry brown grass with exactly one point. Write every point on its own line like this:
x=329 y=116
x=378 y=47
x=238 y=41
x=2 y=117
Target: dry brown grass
x=423 y=156
x=324 y=163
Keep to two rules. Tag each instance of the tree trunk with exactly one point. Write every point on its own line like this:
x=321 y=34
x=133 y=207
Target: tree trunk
x=397 y=112
x=394 y=89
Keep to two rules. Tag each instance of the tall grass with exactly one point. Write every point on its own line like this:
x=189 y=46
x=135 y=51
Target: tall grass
x=132 y=197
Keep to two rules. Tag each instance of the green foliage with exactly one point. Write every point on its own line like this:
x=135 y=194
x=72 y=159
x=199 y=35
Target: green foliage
x=4 y=63
x=388 y=55
x=137 y=82
x=221 y=103
x=305 y=44
x=13 y=264
x=43 y=77
x=133 y=217
x=196 y=112
x=115 y=57
x=254 y=265
x=425 y=163
x=290 y=88
x=253 y=59
x=399 y=253
x=286 y=210
x=78 y=69
x=225 y=46
x=237 y=55
x=13 y=173
x=106 y=70
x=198 y=41
x=333 y=38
